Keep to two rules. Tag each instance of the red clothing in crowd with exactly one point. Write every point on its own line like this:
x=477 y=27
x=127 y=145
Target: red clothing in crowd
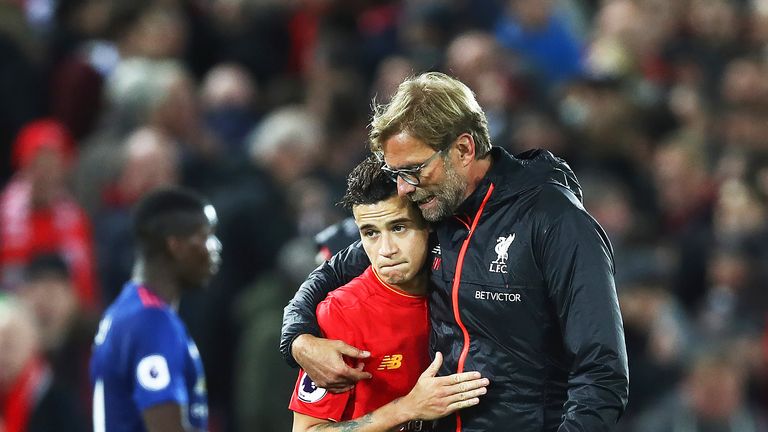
x=19 y=402
x=61 y=226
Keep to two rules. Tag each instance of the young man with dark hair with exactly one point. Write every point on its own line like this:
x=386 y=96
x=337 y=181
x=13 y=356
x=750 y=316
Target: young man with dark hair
x=146 y=370
x=384 y=310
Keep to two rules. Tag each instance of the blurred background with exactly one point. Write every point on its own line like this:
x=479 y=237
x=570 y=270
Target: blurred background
x=660 y=106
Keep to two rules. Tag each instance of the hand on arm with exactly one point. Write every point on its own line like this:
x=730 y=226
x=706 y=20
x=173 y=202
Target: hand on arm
x=323 y=360
x=434 y=397
x=431 y=398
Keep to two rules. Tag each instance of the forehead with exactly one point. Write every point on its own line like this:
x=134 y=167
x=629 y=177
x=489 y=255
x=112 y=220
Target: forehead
x=401 y=150
x=383 y=212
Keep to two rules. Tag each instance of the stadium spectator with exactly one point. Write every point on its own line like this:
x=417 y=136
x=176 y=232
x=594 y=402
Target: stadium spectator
x=38 y=215
x=31 y=397
x=711 y=398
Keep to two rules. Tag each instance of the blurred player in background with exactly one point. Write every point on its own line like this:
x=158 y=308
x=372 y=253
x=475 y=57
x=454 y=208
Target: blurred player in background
x=146 y=370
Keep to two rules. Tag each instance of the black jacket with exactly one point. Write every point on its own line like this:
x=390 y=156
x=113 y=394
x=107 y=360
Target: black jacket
x=523 y=292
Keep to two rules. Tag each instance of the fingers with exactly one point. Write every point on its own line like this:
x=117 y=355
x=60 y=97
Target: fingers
x=459 y=378
x=345 y=377
x=466 y=394
x=469 y=395
x=455 y=406
x=432 y=369
x=357 y=373
x=350 y=351
x=468 y=385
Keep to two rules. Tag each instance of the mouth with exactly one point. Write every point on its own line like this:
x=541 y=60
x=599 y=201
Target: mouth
x=389 y=266
x=425 y=201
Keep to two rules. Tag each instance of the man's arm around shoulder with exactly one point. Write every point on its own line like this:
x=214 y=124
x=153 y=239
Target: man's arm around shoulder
x=299 y=315
x=323 y=359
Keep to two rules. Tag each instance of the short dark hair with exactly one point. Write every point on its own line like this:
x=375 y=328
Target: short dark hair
x=46 y=266
x=167 y=212
x=368 y=184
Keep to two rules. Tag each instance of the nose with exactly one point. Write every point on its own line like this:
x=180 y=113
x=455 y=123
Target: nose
x=404 y=188
x=387 y=247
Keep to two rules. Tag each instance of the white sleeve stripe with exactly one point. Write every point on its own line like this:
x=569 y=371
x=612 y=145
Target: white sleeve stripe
x=99 y=416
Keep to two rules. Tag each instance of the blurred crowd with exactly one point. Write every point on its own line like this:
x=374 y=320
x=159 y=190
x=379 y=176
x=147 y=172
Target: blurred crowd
x=660 y=106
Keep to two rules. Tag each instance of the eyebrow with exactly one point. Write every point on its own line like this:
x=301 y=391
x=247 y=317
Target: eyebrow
x=390 y=223
x=398 y=221
x=404 y=167
x=365 y=227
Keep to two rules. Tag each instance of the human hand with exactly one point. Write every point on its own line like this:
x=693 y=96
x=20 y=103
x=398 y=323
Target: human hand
x=433 y=397
x=323 y=360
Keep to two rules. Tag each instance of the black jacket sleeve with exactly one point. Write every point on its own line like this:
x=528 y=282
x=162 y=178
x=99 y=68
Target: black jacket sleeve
x=578 y=268
x=299 y=316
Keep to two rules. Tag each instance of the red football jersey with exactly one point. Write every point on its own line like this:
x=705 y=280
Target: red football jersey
x=371 y=315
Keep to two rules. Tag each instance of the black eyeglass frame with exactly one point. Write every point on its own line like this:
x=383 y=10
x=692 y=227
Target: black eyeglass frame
x=409 y=175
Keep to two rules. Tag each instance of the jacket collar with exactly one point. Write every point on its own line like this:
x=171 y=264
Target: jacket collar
x=512 y=175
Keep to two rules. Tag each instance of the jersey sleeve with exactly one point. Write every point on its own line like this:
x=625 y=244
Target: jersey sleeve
x=314 y=401
x=308 y=398
x=157 y=360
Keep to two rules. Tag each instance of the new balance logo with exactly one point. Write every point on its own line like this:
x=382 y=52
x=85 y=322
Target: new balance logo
x=393 y=361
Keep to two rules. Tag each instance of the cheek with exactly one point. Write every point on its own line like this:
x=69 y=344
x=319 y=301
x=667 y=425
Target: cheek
x=370 y=248
x=416 y=244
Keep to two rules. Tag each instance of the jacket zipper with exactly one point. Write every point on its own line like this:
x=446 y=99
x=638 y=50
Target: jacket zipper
x=455 y=292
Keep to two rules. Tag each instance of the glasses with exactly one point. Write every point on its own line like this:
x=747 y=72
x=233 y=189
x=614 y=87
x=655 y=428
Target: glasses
x=409 y=175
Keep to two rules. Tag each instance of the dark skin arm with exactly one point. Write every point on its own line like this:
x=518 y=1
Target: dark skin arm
x=165 y=417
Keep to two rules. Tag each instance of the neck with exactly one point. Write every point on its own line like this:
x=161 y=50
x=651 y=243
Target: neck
x=476 y=172
x=156 y=276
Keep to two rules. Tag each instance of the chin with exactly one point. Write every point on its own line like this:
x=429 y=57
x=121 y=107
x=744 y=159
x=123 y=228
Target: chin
x=394 y=278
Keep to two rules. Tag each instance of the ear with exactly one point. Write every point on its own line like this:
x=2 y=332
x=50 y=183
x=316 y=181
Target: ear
x=465 y=144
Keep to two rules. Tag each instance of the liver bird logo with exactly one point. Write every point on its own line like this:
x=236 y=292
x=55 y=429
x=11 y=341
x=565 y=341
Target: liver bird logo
x=502 y=246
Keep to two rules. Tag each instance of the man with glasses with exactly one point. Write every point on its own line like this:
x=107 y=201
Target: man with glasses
x=522 y=276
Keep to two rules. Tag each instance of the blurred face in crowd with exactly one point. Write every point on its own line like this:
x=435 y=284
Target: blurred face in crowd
x=54 y=304
x=715 y=391
x=441 y=187
x=18 y=342
x=679 y=177
x=532 y=13
x=47 y=172
x=394 y=237
x=151 y=162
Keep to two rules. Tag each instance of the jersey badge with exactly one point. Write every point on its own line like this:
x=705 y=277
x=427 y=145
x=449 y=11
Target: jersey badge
x=499 y=265
x=309 y=392
x=152 y=372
